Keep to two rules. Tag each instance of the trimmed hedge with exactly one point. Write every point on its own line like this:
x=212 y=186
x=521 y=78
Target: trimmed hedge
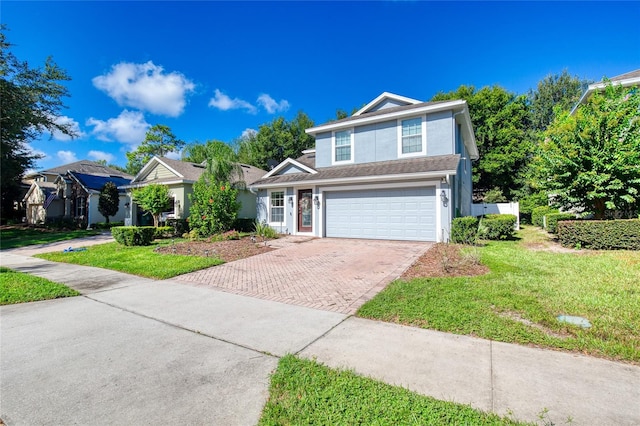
x=180 y=226
x=164 y=232
x=600 y=234
x=464 y=230
x=552 y=219
x=134 y=235
x=498 y=226
x=105 y=225
x=538 y=214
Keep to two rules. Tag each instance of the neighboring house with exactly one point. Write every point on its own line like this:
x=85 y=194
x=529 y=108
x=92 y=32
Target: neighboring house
x=180 y=176
x=628 y=79
x=398 y=169
x=72 y=191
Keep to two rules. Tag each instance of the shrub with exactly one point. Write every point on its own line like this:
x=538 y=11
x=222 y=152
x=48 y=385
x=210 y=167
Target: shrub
x=530 y=202
x=133 y=235
x=553 y=218
x=164 y=232
x=244 y=225
x=105 y=225
x=60 y=223
x=498 y=226
x=226 y=236
x=538 y=214
x=180 y=226
x=464 y=230
x=263 y=230
x=600 y=234
x=214 y=207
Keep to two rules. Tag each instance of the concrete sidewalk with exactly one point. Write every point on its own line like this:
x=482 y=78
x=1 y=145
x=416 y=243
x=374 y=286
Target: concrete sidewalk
x=134 y=350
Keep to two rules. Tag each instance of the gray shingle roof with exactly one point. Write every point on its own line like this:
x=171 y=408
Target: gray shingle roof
x=308 y=159
x=625 y=76
x=86 y=167
x=193 y=171
x=382 y=168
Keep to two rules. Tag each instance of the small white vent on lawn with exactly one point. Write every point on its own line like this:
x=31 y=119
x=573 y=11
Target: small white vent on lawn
x=579 y=321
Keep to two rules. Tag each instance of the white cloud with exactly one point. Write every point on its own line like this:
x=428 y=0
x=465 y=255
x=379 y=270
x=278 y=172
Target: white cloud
x=129 y=127
x=63 y=120
x=146 y=87
x=67 y=156
x=225 y=103
x=248 y=133
x=174 y=155
x=101 y=155
x=271 y=105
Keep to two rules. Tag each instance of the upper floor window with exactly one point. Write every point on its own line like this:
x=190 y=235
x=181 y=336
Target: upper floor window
x=342 y=147
x=411 y=137
x=276 y=214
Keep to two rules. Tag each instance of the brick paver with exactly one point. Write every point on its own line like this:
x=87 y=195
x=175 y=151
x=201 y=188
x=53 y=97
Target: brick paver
x=337 y=275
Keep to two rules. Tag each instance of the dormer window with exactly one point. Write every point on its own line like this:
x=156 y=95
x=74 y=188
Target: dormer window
x=343 y=147
x=412 y=138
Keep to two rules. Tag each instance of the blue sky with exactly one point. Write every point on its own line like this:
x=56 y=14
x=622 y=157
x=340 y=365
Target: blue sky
x=213 y=70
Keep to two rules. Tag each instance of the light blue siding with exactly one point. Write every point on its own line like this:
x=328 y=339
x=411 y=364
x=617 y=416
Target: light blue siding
x=323 y=149
x=291 y=169
x=376 y=142
x=463 y=183
x=388 y=103
x=390 y=214
x=440 y=128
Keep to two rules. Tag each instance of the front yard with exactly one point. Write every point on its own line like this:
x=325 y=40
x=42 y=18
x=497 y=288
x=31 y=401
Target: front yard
x=13 y=236
x=16 y=287
x=531 y=282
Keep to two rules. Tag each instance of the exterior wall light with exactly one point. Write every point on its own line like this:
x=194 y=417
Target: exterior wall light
x=316 y=201
x=443 y=197
x=126 y=205
x=291 y=201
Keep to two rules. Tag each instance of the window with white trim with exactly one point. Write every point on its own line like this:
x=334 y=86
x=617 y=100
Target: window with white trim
x=412 y=136
x=276 y=211
x=342 y=147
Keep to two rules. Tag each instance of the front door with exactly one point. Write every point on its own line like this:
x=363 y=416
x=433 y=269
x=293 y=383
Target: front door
x=305 y=211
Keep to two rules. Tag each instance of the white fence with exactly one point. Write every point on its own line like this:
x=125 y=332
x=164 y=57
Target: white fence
x=479 y=209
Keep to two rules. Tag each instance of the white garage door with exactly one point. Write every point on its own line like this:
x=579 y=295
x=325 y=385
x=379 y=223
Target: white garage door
x=385 y=214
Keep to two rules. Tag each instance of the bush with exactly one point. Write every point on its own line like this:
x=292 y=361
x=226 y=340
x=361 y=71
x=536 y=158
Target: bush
x=180 y=226
x=530 y=202
x=600 y=234
x=498 y=226
x=60 y=223
x=105 y=225
x=538 y=214
x=214 y=207
x=553 y=218
x=264 y=231
x=164 y=232
x=464 y=230
x=226 y=236
x=244 y=225
x=133 y=235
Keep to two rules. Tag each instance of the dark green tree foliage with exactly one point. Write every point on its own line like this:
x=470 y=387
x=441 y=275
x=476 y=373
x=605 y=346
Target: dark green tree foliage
x=109 y=200
x=214 y=206
x=555 y=93
x=31 y=99
x=159 y=140
x=111 y=166
x=153 y=198
x=501 y=123
x=591 y=160
x=221 y=161
x=277 y=141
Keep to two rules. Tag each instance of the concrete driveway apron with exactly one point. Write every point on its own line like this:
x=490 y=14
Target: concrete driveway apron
x=331 y=274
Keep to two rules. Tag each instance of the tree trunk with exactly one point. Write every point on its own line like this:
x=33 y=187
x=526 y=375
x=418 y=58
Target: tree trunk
x=156 y=220
x=599 y=207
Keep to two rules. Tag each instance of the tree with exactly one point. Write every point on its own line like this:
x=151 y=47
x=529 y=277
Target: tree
x=112 y=166
x=591 y=160
x=153 y=198
x=220 y=158
x=503 y=136
x=277 y=141
x=159 y=140
x=109 y=200
x=214 y=206
x=555 y=93
x=31 y=102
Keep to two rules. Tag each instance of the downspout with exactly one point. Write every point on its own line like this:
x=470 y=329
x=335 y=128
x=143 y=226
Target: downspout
x=88 y=210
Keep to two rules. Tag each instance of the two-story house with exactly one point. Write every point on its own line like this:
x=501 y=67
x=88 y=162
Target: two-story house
x=397 y=169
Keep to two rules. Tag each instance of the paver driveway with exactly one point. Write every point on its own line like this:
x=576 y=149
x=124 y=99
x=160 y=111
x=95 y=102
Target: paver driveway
x=332 y=274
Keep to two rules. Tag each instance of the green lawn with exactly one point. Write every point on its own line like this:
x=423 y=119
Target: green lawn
x=16 y=287
x=136 y=260
x=12 y=237
x=304 y=392
x=519 y=300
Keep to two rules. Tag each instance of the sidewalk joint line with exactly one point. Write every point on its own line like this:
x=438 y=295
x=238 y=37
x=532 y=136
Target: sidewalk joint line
x=179 y=327
x=323 y=335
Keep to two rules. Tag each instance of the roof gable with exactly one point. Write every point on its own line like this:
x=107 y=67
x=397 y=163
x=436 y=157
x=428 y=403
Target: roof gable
x=289 y=164
x=384 y=101
x=86 y=167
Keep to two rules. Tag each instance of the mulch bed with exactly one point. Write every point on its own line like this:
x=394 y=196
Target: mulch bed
x=227 y=251
x=446 y=260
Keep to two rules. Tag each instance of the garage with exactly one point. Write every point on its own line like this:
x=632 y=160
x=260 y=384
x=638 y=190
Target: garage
x=385 y=214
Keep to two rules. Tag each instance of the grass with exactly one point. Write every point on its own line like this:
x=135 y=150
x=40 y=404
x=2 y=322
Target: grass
x=305 y=392
x=519 y=300
x=136 y=260
x=16 y=287
x=14 y=237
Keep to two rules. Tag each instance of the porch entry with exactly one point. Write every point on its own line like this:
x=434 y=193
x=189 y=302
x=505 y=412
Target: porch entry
x=305 y=205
